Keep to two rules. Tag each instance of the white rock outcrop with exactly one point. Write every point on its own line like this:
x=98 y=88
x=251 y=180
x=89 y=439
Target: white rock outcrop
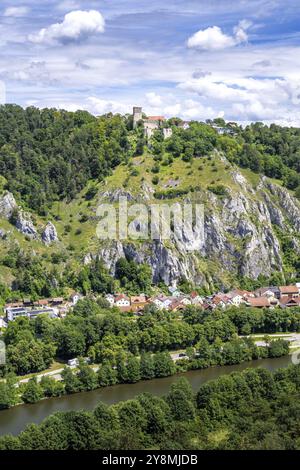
x=7 y=205
x=25 y=225
x=49 y=234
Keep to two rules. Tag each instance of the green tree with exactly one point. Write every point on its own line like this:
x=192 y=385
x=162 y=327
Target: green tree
x=147 y=366
x=107 y=375
x=133 y=370
x=163 y=365
x=51 y=387
x=33 y=391
x=71 y=381
x=87 y=377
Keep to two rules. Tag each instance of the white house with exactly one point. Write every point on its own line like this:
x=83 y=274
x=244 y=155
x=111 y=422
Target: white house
x=196 y=299
x=75 y=297
x=185 y=301
x=122 y=300
x=236 y=298
x=161 y=302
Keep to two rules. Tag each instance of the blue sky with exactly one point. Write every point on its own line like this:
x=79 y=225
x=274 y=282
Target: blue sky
x=195 y=59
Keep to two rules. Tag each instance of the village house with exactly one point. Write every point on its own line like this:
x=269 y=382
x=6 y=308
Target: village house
x=162 y=302
x=74 y=298
x=259 y=302
x=176 y=305
x=239 y=296
x=287 y=302
x=56 y=301
x=174 y=292
x=185 y=300
x=288 y=292
x=138 y=302
x=41 y=303
x=138 y=299
x=218 y=301
x=236 y=298
x=121 y=300
x=270 y=292
x=196 y=298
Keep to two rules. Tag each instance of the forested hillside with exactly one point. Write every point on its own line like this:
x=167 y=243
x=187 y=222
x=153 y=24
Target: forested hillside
x=57 y=166
x=46 y=155
x=49 y=155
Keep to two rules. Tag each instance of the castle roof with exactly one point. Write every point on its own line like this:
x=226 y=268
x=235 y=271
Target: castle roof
x=155 y=118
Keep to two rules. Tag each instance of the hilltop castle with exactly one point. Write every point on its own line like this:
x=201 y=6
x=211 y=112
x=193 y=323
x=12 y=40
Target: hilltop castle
x=151 y=123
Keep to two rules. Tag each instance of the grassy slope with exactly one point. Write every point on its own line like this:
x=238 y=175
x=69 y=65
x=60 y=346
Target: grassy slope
x=81 y=236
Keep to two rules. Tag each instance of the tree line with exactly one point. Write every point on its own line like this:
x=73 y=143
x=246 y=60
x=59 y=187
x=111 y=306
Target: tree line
x=253 y=409
x=101 y=333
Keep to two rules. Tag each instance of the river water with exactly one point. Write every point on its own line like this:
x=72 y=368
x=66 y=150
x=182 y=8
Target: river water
x=14 y=420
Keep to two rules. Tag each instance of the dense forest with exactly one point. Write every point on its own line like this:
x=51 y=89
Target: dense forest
x=46 y=155
x=255 y=409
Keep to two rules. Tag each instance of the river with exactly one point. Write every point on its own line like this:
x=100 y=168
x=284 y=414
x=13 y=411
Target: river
x=14 y=420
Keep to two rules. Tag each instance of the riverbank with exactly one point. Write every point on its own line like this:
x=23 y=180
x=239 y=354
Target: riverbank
x=14 y=420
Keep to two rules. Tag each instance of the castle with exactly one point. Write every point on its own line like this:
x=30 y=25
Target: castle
x=151 y=123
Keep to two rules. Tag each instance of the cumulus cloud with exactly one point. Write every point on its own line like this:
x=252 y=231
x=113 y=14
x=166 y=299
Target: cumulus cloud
x=68 y=5
x=16 y=11
x=75 y=26
x=209 y=88
x=213 y=38
x=247 y=98
x=153 y=99
x=101 y=106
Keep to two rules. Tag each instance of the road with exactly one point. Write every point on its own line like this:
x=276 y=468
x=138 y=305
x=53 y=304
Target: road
x=291 y=337
x=56 y=374
x=177 y=355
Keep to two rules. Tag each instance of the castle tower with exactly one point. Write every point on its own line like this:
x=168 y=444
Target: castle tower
x=137 y=115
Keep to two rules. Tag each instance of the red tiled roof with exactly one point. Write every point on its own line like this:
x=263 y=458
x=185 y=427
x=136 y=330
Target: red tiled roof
x=194 y=294
x=289 y=290
x=155 y=118
x=259 y=302
x=285 y=300
x=138 y=299
x=120 y=297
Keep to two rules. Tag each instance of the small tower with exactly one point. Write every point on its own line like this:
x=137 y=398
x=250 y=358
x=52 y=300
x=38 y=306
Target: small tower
x=137 y=115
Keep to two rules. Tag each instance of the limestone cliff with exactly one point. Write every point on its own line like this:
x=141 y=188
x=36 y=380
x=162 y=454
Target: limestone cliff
x=240 y=235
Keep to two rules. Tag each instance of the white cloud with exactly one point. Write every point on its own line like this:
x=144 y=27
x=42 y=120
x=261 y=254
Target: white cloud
x=153 y=99
x=213 y=38
x=76 y=25
x=173 y=110
x=68 y=5
x=248 y=98
x=100 y=106
x=210 y=88
x=16 y=11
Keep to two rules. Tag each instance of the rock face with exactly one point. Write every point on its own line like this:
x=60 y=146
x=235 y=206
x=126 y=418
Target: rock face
x=7 y=205
x=2 y=234
x=49 y=234
x=25 y=225
x=240 y=237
